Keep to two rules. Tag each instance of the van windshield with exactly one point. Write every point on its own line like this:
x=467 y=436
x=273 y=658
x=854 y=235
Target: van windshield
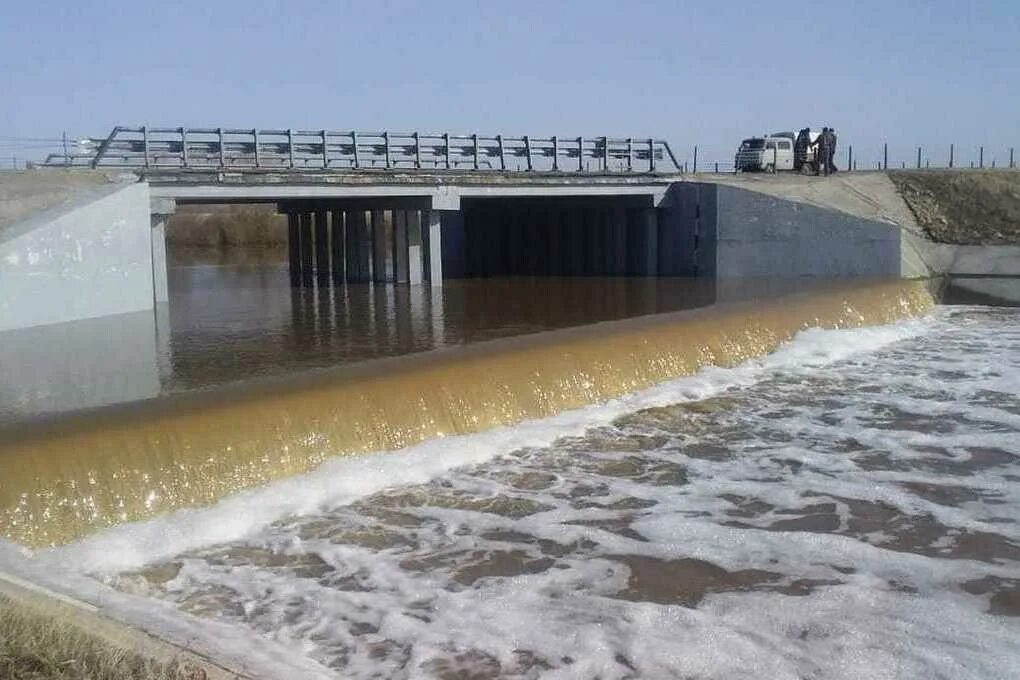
x=749 y=144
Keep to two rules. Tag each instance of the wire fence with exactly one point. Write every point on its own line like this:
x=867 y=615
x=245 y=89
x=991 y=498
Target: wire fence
x=885 y=157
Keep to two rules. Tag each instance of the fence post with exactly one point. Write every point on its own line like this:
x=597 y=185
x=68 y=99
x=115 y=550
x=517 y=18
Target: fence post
x=605 y=154
x=502 y=153
x=386 y=148
x=290 y=146
x=556 y=153
x=417 y=150
x=145 y=145
x=580 y=154
x=717 y=167
x=446 y=143
x=474 y=144
x=184 y=146
x=325 y=151
x=850 y=158
x=695 y=168
x=630 y=154
x=67 y=158
x=354 y=143
x=918 y=158
x=885 y=156
x=651 y=155
x=951 y=149
x=1010 y=158
x=223 y=158
x=981 y=157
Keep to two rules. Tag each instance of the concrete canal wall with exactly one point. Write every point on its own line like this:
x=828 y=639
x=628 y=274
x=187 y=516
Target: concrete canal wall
x=89 y=255
x=76 y=246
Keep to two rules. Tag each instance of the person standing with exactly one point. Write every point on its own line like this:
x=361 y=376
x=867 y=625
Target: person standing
x=832 y=151
x=822 y=153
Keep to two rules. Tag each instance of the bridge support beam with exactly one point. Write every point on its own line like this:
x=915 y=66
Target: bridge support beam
x=400 y=255
x=616 y=248
x=379 y=228
x=294 y=247
x=336 y=243
x=305 y=220
x=322 y=245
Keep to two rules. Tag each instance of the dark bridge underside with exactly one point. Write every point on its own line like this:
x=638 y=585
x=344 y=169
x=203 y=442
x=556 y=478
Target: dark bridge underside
x=356 y=242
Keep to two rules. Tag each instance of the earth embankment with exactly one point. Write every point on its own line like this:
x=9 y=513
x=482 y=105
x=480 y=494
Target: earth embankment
x=964 y=207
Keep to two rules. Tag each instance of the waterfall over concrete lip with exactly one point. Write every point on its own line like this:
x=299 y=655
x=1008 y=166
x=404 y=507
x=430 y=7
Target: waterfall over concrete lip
x=122 y=465
x=68 y=568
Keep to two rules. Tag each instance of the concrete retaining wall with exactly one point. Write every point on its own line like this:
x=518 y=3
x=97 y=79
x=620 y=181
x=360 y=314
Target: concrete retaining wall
x=87 y=260
x=728 y=232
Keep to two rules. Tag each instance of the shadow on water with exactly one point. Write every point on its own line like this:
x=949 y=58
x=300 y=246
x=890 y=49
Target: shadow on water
x=993 y=291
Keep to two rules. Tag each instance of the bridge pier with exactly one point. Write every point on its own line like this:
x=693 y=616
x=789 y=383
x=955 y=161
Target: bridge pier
x=336 y=242
x=306 y=247
x=294 y=247
x=379 y=228
x=322 y=245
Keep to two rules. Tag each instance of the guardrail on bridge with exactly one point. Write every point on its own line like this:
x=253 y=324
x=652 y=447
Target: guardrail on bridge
x=228 y=148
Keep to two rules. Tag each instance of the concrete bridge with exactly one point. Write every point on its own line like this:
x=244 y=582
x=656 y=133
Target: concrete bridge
x=363 y=209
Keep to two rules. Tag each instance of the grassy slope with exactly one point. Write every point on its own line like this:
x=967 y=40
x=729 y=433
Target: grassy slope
x=966 y=207
x=38 y=647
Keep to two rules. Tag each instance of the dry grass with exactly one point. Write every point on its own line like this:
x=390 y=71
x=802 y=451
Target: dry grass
x=38 y=647
x=227 y=225
x=969 y=207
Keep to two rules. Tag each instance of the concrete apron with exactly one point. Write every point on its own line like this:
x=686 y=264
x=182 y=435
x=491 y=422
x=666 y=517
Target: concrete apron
x=91 y=621
x=921 y=258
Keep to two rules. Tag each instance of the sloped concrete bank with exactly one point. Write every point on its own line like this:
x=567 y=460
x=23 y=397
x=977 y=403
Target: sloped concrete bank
x=74 y=247
x=952 y=222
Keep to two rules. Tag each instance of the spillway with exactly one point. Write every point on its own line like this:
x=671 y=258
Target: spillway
x=68 y=478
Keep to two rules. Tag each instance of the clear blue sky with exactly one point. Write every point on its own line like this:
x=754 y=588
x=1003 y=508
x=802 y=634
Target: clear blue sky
x=707 y=73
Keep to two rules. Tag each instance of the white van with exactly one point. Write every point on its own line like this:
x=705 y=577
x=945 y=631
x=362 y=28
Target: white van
x=773 y=153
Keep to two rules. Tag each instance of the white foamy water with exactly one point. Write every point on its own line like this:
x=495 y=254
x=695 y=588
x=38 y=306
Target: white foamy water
x=845 y=508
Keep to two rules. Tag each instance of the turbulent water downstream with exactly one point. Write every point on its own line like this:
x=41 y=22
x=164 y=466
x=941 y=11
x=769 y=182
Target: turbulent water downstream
x=845 y=508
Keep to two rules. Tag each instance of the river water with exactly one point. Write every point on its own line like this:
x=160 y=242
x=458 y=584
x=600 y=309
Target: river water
x=848 y=507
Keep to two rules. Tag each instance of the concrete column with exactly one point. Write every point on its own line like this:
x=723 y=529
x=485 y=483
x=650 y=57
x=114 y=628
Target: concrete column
x=617 y=248
x=365 y=247
x=294 y=246
x=415 y=248
x=336 y=241
x=160 y=286
x=306 y=246
x=432 y=232
x=379 y=274
x=553 y=235
x=608 y=241
x=575 y=242
x=451 y=245
x=358 y=246
x=648 y=224
x=515 y=241
x=594 y=257
x=321 y=244
x=400 y=247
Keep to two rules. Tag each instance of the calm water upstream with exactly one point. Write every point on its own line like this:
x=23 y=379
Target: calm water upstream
x=848 y=507
x=231 y=321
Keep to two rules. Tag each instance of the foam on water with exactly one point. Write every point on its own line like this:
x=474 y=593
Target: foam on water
x=847 y=507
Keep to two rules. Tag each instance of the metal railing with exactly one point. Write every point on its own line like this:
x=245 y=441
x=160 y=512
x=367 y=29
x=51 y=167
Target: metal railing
x=229 y=148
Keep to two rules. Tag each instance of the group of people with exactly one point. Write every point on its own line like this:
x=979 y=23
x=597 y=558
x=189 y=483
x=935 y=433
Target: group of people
x=824 y=146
